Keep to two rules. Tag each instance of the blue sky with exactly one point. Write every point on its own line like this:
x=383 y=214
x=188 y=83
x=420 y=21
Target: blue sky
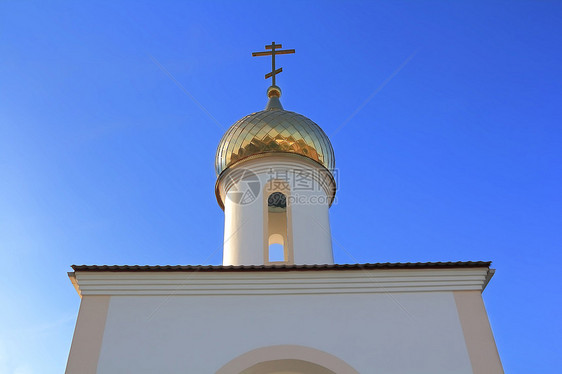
x=445 y=118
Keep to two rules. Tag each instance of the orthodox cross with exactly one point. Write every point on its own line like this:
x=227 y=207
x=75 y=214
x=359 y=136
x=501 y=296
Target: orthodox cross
x=274 y=51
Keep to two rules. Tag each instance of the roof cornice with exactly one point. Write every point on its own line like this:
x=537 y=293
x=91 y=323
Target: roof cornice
x=280 y=280
x=221 y=268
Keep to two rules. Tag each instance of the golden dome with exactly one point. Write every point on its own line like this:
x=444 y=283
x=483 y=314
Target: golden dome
x=274 y=130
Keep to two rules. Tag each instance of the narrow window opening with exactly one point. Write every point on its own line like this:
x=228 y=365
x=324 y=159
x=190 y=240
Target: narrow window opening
x=277 y=203
x=277 y=228
x=276 y=253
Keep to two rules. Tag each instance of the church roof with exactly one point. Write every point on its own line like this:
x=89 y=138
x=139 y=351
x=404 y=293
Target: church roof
x=220 y=268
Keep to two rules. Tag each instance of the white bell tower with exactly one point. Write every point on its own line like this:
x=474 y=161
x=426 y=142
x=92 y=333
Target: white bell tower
x=276 y=184
x=276 y=210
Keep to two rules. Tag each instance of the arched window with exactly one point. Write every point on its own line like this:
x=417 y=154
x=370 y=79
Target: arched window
x=277 y=228
x=276 y=252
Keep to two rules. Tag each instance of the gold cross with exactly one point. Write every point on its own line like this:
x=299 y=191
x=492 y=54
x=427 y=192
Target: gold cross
x=274 y=51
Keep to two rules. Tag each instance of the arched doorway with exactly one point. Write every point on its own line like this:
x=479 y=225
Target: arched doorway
x=286 y=359
x=287 y=367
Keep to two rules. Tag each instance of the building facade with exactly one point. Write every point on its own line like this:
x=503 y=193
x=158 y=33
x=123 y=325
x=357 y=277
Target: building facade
x=279 y=304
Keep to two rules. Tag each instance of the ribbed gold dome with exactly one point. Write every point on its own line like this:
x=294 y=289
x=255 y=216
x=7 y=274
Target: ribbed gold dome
x=274 y=130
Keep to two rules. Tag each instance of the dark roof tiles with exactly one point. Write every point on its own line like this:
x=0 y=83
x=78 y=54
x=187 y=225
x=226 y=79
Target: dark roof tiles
x=220 y=268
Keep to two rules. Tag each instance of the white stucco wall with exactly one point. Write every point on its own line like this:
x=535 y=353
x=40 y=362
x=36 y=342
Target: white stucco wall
x=401 y=333
x=243 y=234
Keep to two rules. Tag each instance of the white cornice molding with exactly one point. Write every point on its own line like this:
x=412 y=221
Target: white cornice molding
x=276 y=162
x=279 y=283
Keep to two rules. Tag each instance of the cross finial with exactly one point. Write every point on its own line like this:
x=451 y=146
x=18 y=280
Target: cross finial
x=274 y=51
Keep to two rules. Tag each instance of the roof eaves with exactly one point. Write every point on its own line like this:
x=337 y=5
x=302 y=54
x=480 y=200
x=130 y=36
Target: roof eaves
x=231 y=268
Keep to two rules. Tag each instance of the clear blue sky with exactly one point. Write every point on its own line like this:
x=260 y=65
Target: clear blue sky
x=105 y=160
